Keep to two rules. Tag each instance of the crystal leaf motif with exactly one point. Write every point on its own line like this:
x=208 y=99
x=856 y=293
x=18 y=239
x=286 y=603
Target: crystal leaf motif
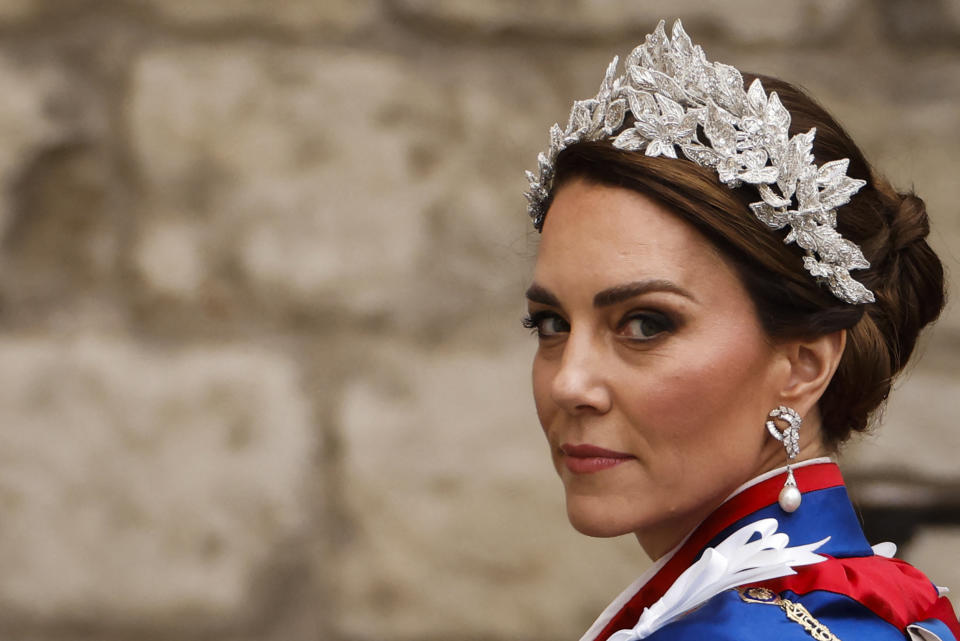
x=672 y=91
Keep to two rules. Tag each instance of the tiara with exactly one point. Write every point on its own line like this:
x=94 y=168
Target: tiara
x=673 y=93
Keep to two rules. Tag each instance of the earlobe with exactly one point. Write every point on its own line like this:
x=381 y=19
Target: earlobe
x=812 y=363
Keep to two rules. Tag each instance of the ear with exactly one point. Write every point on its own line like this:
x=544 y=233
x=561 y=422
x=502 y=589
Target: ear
x=812 y=362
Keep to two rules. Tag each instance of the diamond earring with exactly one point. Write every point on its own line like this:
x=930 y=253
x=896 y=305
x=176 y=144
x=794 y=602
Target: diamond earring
x=790 y=498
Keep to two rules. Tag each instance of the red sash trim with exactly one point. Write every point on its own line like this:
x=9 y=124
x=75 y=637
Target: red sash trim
x=809 y=478
x=892 y=589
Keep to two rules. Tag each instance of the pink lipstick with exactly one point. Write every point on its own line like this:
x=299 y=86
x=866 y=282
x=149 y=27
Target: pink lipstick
x=584 y=459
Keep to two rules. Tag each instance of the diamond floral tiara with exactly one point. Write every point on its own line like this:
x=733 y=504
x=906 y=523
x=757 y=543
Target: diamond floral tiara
x=672 y=90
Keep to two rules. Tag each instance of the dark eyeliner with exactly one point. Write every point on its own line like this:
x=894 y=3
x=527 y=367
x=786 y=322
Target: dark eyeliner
x=665 y=323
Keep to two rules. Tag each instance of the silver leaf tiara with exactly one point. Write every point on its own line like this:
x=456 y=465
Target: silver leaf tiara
x=672 y=90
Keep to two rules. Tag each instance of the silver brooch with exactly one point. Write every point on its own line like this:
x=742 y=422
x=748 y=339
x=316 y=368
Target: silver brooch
x=672 y=90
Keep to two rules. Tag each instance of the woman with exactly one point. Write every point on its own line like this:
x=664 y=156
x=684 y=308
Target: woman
x=723 y=287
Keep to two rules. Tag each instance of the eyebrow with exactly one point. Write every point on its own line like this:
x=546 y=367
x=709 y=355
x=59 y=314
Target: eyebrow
x=612 y=295
x=540 y=294
x=620 y=293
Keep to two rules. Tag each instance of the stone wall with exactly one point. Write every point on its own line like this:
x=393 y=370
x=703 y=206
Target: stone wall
x=261 y=375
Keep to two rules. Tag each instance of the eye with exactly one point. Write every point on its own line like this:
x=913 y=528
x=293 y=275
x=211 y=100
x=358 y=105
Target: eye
x=645 y=326
x=546 y=324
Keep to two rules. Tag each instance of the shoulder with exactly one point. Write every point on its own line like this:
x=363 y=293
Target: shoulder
x=759 y=614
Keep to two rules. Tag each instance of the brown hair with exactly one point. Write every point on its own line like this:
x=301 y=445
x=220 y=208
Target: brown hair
x=905 y=275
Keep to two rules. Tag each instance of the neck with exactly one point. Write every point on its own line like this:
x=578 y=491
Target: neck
x=662 y=538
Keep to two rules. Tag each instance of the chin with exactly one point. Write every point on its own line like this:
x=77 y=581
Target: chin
x=592 y=518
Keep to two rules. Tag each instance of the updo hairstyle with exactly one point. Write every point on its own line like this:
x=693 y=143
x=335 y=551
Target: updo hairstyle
x=905 y=275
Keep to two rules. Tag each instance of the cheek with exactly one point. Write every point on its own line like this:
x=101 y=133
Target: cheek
x=542 y=381
x=708 y=396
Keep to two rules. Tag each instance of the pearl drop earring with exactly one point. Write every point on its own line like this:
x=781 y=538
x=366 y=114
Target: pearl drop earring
x=790 y=497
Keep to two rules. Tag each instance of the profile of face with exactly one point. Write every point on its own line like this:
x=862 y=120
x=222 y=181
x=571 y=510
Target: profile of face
x=653 y=376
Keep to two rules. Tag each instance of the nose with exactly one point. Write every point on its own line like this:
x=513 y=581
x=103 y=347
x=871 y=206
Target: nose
x=580 y=384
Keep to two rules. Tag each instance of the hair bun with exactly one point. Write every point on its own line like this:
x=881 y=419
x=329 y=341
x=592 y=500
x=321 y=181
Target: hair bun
x=913 y=290
x=910 y=223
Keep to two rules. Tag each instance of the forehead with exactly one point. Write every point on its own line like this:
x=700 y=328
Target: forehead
x=602 y=236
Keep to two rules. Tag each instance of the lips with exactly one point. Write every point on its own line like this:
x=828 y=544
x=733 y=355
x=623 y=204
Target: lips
x=585 y=459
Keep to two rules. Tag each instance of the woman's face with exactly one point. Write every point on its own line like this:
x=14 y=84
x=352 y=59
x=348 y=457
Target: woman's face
x=653 y=377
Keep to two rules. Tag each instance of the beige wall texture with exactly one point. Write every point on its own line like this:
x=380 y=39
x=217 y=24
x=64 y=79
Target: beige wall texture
x=261 y=269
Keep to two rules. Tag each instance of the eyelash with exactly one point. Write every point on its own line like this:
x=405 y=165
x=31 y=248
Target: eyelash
x=529 y=322
x=532 y=321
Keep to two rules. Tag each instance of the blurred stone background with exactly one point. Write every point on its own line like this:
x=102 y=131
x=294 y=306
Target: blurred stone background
x=261 y=267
